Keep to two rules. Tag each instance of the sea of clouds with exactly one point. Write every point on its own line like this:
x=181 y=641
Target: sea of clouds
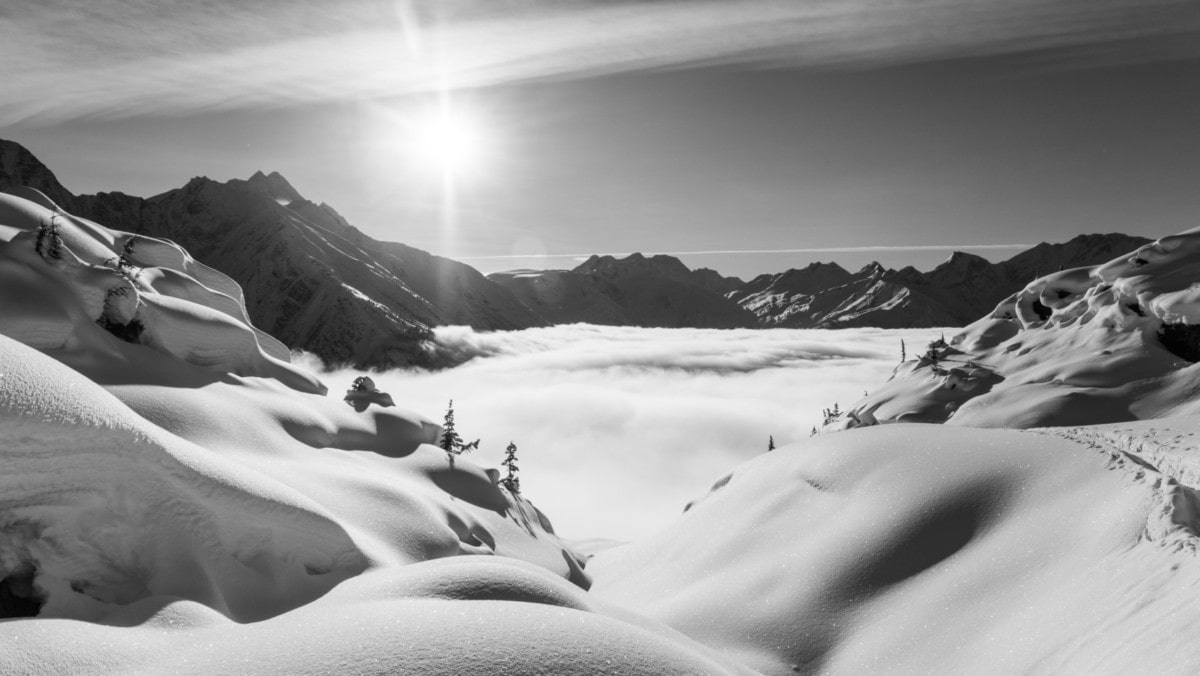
x=618 y=428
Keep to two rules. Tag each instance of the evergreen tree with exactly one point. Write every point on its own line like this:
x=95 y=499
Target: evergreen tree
x=771 y=443
x=48 y=243
x=903 y=352
x=451 y=442
x=125 y=261
x=510 y=480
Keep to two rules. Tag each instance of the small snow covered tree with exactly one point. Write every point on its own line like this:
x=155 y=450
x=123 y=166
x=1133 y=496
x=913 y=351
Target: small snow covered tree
x=126 y=259
x=48 y=243
x=451 y=442
x=903 y=352
x=771 y=443
x=510 y=480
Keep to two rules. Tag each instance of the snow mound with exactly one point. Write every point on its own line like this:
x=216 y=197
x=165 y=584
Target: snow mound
x=80 y=290
x=1112 y=342
x=105 y=509
x=925 y=549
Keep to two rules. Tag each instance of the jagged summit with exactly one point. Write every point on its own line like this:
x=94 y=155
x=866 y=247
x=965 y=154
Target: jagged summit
x=273 y=185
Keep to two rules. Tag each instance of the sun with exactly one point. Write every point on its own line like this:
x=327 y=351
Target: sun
x=448 y=140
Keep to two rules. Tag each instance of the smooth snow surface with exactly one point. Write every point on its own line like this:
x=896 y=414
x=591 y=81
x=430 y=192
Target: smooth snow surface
x=928 y=549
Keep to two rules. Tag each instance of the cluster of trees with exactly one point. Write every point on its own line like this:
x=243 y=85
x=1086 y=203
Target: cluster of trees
x=452 y=443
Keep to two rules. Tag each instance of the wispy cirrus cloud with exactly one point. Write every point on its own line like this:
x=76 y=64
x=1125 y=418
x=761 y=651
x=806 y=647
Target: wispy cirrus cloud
x=65 y=59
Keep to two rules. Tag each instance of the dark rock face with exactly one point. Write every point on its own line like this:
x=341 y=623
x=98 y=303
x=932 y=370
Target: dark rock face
x=656 y=291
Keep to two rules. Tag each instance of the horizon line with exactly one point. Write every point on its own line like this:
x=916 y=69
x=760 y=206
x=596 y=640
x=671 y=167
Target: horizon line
x=719 y=252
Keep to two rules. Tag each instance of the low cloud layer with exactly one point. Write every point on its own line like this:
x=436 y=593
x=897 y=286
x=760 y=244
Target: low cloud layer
x=117 y=58
x=619 y=428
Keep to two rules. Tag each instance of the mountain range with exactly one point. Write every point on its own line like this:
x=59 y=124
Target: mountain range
x=310 y=278
x=319 y=284
x=661 y=291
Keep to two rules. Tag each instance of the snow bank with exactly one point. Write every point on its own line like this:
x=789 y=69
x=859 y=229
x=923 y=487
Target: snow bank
x=926 y=549
x=84 y=275
x=1113 y=342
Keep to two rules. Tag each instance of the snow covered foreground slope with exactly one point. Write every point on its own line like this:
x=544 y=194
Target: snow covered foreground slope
x=175 y=496
x=929 y=549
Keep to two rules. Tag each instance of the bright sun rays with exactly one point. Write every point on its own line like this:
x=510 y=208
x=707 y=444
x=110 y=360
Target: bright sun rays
x=447 y=140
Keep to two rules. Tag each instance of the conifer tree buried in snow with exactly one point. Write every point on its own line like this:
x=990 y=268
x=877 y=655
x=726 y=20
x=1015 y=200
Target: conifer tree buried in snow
x=510 y=480
x=771 y=443
x=48 y=243
x=451 y=442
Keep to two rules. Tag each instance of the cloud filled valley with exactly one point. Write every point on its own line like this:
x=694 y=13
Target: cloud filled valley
x=678 y=407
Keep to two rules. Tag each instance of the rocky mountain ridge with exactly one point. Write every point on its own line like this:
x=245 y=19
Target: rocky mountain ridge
x=660 y=291
x=301 y=264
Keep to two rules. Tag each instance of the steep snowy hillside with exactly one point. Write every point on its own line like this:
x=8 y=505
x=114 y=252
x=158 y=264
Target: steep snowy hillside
x=179 y=498
x=655 y=291
x=301 y=264
x=1105 y=343
x=952 y=294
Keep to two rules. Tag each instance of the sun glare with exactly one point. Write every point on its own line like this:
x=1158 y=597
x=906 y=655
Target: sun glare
x=448 y=140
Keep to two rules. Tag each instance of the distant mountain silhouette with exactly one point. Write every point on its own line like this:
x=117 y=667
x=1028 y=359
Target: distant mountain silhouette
x=655 y=291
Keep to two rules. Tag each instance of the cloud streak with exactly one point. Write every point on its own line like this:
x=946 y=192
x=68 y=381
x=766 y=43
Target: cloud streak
x=113 y=58
x=618 y=428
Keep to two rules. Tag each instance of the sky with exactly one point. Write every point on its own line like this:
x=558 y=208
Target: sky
x=651 y=418
x=748 y=136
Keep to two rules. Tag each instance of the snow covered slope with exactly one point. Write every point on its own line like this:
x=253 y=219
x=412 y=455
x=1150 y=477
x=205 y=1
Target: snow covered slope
x=1106 y=343
x=175 y=496
x=300 y=263
x=922 y=549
